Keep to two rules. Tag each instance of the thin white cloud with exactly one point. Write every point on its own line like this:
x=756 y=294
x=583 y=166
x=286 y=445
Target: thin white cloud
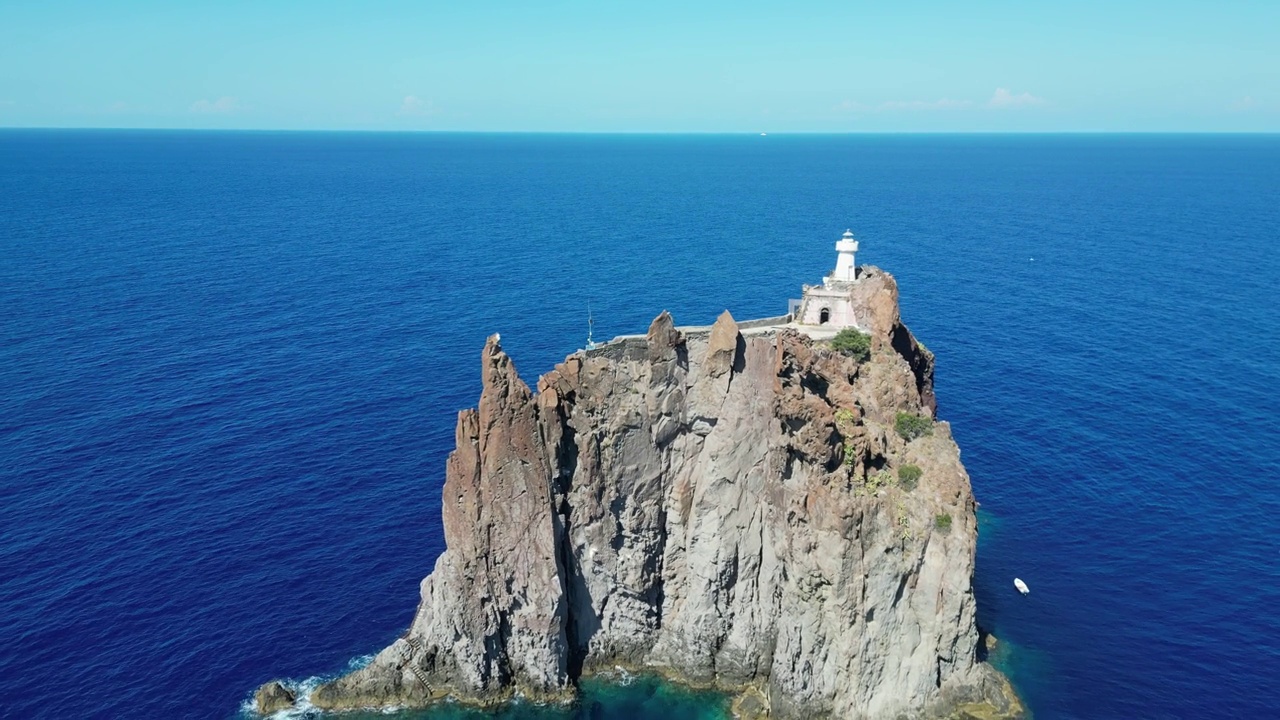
x=853 y=106
x=7 y=103
x=1245 y=103
x=850 y=106
x=414 y=107
x=943 y=104
x=1004 y=98
x=222 y=105
x=118 y=106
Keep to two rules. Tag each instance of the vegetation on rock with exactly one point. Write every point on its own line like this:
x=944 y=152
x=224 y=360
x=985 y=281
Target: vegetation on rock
x=911 y=426
x=943 y=522
x=852 y=342
x=904 y=523
x=845 y=421
x=874 y=481
x=909 y=477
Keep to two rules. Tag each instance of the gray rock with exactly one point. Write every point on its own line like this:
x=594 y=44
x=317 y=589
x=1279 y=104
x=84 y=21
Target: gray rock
x=273 y=697
x=695 y=510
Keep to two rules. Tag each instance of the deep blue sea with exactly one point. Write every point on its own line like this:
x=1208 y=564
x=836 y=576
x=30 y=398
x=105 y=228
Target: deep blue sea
x=231 y=364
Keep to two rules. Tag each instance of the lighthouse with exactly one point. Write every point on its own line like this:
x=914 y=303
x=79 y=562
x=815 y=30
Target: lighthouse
x=832 y=304
x=846 y=269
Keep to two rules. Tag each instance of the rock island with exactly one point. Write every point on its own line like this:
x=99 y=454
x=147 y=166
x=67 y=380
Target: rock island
x=767 y=507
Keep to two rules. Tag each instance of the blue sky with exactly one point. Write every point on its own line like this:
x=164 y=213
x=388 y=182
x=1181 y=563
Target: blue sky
x=644 y=67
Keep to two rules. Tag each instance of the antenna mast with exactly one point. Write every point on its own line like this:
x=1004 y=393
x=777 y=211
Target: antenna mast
x=591 y=324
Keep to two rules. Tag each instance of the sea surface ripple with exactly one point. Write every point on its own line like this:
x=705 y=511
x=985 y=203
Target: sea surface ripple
x=232 y=361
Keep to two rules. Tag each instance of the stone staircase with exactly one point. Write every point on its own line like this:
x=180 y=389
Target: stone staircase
x=415 y=647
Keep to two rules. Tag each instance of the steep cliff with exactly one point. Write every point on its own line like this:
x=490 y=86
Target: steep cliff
x=721 y=506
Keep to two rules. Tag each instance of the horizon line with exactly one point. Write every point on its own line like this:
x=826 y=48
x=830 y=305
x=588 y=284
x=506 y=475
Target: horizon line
x=423 y=131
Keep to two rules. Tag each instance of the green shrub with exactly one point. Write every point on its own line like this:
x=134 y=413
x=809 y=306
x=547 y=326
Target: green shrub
x=911 y=426
x=844 y=417
x=909 y=476
x=853 y=343
x=943 y=522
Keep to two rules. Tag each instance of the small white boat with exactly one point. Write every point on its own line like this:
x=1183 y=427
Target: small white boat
x=1022 y=587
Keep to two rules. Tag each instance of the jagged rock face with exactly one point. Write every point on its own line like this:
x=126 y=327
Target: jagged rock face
x=718 y=507
x=272 y=697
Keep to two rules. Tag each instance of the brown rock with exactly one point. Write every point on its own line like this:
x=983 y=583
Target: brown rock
x=722 y=345
x=663 y=337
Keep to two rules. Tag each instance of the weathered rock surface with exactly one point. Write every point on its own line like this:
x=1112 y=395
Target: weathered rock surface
x=272 y=697
x=715 y=507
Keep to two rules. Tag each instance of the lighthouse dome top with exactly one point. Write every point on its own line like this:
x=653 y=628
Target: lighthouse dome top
x=848 y=234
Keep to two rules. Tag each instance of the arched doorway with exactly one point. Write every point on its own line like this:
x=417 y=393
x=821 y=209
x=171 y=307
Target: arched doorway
x=824 y=316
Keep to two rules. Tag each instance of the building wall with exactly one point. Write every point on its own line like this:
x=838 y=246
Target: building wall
x=836 y=301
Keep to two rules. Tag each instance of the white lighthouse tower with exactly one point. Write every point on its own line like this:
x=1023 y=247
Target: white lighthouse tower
x=846 y=269
x=831 y=303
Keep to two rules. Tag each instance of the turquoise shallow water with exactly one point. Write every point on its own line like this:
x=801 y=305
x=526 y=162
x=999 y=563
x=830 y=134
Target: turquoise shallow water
x=615 y=698
x=232 y=361
x=637 y=698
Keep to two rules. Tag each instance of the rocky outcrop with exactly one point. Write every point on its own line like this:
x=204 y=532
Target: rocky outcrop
x=716 y=507
x=273 y=697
